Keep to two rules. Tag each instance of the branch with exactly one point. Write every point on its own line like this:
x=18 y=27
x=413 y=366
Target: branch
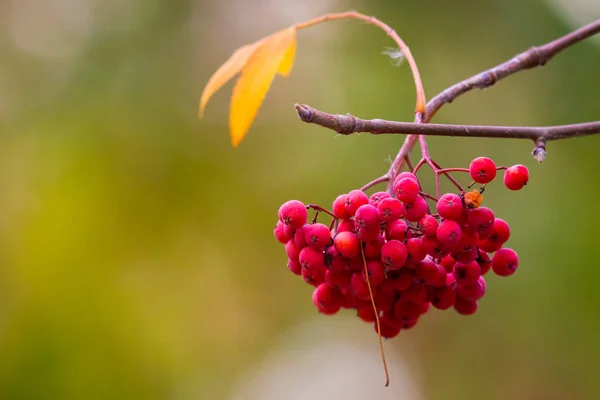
x=348 y=124
x=535 y=56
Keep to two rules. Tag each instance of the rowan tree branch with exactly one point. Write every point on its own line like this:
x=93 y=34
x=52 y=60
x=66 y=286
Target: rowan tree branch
x=534 y=57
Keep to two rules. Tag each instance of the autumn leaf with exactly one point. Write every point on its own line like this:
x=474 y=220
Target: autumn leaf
x=258 y=62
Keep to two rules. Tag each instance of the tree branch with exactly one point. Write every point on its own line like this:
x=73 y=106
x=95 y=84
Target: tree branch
x=534 y=57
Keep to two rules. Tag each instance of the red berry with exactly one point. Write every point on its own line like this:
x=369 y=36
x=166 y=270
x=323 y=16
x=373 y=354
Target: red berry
x=472 y=292
x=280 y=233
x=389 y=209
x=339 y=279
x=292 y=250
x=395 y=230
x=339 y=207
x=294 y=266
x=500 y=232
x=432 y=246
x=317 y=236
x=366 y=313
x=366 y=216
x=450 y=206
x=293 y=213
x=414 y=211
x=389 y=328
x=449 y=233
x=465 y=307
x=355 y=199
x=376 y=271
x=376 y=198
x=368 y=233
x=405 y=174
x=333 y=260
x=415 y=252
x=482 y=170
x=348 y=299
x=481 y=220
x=299 y=237
x=489 y=246
x=443 y=297
x=402 y=279
x=516 y=177
x=505 y=262
x=346 y=225
x=314 y=276
x=429 y=273
x=384 y=301
x=310 y=258
x=393 y=254
x=466 y=274
x=416 y=294
x=359 y=287
x=448 y=263
x=406 y=190
x=346 y=243
x=327 y=299
x=428 y=225
x=407 y=311
x=484 y=261
x=372 y=248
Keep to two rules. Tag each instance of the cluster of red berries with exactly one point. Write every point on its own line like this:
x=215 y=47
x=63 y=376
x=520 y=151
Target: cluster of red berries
x=390 y=253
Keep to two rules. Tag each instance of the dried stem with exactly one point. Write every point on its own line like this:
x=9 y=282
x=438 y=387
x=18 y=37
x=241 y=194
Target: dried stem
x=420 y=103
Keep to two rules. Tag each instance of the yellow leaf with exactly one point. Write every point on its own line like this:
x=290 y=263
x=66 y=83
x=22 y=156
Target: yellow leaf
x=249 y=92
x=288 y=60
x=227 y=71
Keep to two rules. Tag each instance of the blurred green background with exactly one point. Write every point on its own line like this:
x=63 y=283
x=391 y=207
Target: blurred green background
x=136 y=252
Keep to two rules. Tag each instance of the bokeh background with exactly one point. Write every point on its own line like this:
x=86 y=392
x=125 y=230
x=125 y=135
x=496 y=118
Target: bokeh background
x=136 y=252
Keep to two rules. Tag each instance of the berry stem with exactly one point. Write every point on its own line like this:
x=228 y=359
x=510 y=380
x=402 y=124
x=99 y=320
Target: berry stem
x=428 y=196
x=385 y=368
x=444 y=170
x=320 y=209
x=383 y=178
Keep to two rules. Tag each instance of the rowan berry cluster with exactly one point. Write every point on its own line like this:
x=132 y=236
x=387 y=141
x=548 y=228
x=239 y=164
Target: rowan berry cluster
x=390 y=256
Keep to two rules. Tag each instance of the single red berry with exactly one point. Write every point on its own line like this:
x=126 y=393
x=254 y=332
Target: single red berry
x=430 y=273
x=482 y=170
x=415 y=294
x=355 y=264
x=500 y=232
x=414 y=211
x=465 y=256
x=481 y=220
x=366 y=313
x=406 y=190
x=407 y=311
x=346 y=225
x=359 y=287
x=393 y=254
x=432 y=246
x=405 y=174
x=443 y=297
x=448 y=263
x=333 y=260
x=416 y=252
x=402 y=279
x=292 y=250
x=395 y=230
x=449 y=233
x=348 y=299
x=376 y=198
x=317 y=236
x=293 y=213
x=372 y=248
x=355 y=199
x=339 y=207
x=366 y=216
x=516 y=177
x=310 y=258
x=472 y=292
x=489 y=246
x=425 y=307
x=368 y=233
x=338 y=279
x=450 y=206
x=299 y=237
x=465 y=307
x=327 y=299
x=280 y=233
x=484 y=261
x=466 y=274
x=466 y=249
x=388 y=328
x=376 y=271
x=384 y=301
x=346 y=243
x=428 y=225
x=389 y=209
x=505 y=262
x=294 y=266
x=314 y=276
